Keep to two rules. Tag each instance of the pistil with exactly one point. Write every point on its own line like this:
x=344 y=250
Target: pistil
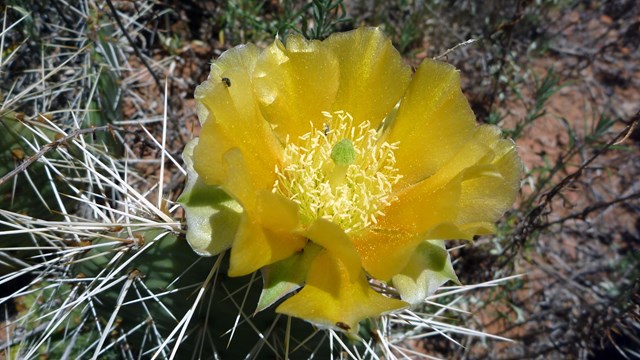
x=343 y=155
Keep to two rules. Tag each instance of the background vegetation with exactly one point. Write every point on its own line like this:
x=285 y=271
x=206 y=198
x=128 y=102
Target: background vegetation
x=97 y=104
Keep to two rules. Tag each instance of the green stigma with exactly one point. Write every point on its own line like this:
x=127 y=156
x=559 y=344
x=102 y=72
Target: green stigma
x=343 y=153
x=341 y=172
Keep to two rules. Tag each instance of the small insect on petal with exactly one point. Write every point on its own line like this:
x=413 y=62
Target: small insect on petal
x=343 y=326
x=226 y=81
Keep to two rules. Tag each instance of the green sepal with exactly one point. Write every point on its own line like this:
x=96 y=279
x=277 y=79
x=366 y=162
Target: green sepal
x=428 y=269
x=212 y=215
x=285 y=276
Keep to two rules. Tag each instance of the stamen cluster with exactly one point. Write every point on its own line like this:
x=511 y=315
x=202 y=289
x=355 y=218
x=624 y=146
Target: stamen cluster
x=352 y=196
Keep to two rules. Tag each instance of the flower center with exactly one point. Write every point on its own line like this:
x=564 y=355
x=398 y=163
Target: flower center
x=342 y=173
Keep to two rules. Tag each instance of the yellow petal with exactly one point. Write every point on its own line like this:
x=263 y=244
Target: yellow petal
x=217 y=146
x=419 y=209
x=491 y=190
x=443 y=197
x=276 y=212
x=330 y=236
x=385 y=253
x=295 y=83
x=209 y=154
x=255 y=246
x=234 y=121
x=433 y=122
x=240 y=183
x=331 y=299
x=266 y=234
x=234 y=66
x=478 y=148
x=373 y=76
x=464 y=198
x=423 y=206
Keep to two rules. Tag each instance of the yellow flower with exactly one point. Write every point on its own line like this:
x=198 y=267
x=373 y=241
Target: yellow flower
x=327 y=164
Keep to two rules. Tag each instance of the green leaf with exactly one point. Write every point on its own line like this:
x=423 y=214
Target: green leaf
x=212 y=215
x=286 y=275
x=429 y=268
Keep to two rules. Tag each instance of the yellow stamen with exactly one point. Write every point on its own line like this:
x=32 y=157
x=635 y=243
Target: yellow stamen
x=342 y=173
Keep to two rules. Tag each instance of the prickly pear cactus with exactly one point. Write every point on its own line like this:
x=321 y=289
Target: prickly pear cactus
x=30 y=192
x=147 y=283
